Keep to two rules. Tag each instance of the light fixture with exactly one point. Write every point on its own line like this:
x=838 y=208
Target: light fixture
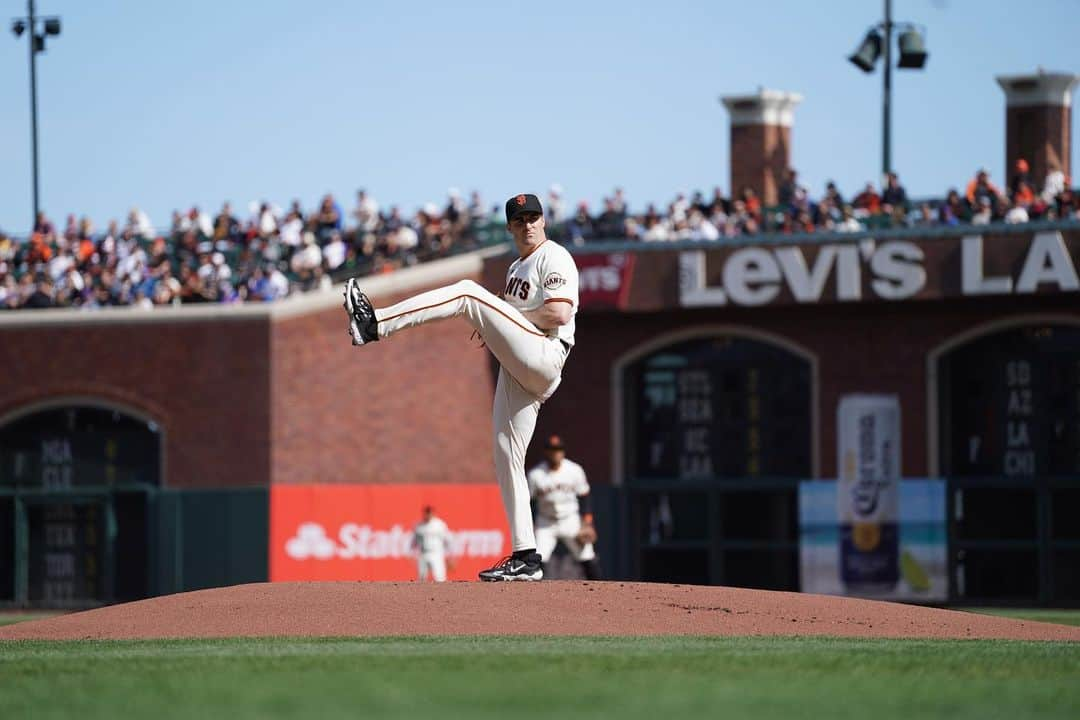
x=52 y=26
x=912 y=49
x=18 y=27
x=868 y=52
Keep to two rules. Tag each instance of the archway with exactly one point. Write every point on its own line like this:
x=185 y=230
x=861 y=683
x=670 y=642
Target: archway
x=715 y=430
x=76 y=484
x=1008 y=439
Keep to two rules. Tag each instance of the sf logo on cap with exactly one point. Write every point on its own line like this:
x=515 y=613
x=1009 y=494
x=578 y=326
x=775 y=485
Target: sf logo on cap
x=520 y=199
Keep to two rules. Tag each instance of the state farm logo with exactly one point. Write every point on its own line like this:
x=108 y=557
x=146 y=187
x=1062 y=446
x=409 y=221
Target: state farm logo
x=362 y=541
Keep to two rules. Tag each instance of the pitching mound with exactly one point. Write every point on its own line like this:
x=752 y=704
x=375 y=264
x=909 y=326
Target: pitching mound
x=547 y=608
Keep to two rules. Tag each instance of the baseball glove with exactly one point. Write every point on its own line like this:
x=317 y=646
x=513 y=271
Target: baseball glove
x=586 y=535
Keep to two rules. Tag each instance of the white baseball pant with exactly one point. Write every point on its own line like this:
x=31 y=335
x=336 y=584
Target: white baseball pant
x=531 y=369
x=431 y=564
x=549 y=532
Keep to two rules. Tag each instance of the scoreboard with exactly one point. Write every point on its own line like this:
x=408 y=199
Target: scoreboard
x=721 y=407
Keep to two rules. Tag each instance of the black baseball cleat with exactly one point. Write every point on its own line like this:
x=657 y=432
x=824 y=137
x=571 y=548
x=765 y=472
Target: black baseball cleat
x=363 y=327
x=512 y=568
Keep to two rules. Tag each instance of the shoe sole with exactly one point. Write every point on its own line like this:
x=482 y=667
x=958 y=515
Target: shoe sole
x=534 y=577
x=354 y=329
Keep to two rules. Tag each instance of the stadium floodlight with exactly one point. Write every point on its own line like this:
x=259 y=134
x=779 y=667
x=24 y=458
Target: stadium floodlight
x=868 y=53
x=49 y=26
x=877 y=43
x=912 y=49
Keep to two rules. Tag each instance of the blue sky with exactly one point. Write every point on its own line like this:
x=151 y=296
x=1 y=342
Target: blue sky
x=165 y=104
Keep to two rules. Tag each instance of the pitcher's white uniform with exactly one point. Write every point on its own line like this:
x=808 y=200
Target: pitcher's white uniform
x=431 y=538
x=530 y=359
x=558 y=515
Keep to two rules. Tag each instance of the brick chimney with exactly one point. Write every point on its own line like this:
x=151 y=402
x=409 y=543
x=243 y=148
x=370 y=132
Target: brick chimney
x=1038 y=122
x=760 y=140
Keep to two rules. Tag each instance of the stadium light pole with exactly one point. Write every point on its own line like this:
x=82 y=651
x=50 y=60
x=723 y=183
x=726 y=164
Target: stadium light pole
x=878 y=42
x=50 y=26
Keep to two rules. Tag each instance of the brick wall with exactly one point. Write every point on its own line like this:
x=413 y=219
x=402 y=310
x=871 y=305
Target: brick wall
x=880 y=348
x=759 y=156
x=1039 y=134
x=416 y=408
x=204 y=383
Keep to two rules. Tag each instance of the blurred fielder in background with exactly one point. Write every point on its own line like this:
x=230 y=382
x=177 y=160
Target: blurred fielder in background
x=563 y=508
x=431 y=541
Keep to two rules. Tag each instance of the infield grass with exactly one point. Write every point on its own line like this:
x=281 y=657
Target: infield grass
x=623 y=678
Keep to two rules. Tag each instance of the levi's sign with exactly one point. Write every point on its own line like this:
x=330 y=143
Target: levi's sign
x=891 y=270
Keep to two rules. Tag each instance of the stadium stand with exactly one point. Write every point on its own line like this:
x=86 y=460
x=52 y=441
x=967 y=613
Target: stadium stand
x=275 y=252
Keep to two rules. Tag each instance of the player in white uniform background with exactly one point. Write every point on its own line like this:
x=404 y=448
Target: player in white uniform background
x=529 y=330
x=431 y=542
x=563 y=508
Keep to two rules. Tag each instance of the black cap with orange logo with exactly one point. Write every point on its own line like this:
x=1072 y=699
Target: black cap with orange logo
x=522 y=204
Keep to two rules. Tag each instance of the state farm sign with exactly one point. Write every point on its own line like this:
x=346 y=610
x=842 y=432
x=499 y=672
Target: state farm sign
x=892 y=270
x=352 y=540
x=364 y=532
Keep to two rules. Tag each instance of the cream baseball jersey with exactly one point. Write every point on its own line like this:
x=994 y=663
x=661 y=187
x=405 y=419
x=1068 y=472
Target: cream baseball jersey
x=432 y=537
x=547 y=274
x=557 y=491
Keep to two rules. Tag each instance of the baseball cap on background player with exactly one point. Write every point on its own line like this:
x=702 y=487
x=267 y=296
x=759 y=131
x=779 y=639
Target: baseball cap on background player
x=523 y=203
x=554 y=443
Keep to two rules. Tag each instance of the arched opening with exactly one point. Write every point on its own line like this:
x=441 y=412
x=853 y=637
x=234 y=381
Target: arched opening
x=716 y=431
x=1008 y=411
x=77 y=481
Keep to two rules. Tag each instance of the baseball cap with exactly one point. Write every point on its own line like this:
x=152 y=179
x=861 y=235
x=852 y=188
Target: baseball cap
x=523 y=203
x=554 y=443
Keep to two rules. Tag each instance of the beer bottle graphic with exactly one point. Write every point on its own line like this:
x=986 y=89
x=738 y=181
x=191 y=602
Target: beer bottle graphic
x=867 y=498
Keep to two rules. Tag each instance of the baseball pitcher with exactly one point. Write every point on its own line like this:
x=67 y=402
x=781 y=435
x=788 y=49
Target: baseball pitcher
x=563 y=512
x=431 y=542
x=529 y=330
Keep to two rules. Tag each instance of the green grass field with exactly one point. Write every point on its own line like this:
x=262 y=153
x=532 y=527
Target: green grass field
x=1062 y=617
x=625 y=678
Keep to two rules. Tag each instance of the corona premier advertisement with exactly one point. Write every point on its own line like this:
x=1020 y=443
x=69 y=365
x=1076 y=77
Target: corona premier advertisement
x=364 y=532
x=870 y=534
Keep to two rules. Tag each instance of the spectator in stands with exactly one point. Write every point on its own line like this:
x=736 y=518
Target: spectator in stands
x=139 y=224
x=580 y=227
x=1054 y=184
x=981 y=187
x=328 y=218
x=556 y=207
x=926 y=216
x=44 y=227
x=334 y=252
x=868 y=202
x=848 y=222
x=611 y=223
x=1017 y=213
x=790 y=191
x=751 y=202
x=1021 y=174
x=894 y=194
x=618 y=202
x=42 y=296
x=226 y=226
x=984 y=211
x=832 y=194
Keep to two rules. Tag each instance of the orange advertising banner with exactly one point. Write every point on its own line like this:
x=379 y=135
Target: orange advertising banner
x=364 y=532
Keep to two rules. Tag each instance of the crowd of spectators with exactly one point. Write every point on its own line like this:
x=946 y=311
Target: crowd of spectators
x=705 y=218
x=275 y=252
x=223 y=259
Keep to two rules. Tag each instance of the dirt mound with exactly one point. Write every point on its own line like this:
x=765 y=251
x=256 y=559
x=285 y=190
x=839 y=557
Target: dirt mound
x=547 y=608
